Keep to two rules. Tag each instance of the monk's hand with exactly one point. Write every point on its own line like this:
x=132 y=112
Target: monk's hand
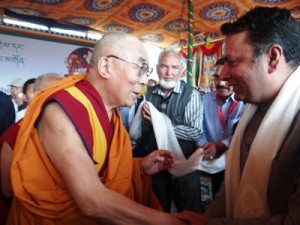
x=156 y=161
x=191 y=218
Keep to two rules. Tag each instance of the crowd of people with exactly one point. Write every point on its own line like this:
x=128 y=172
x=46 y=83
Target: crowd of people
x=89 y=149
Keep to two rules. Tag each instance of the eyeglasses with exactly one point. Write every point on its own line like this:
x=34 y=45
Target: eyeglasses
x=143 y=69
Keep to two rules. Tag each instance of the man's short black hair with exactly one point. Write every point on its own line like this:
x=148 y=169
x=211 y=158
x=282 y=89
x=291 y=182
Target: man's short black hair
x=268 y=26
x=26 y=84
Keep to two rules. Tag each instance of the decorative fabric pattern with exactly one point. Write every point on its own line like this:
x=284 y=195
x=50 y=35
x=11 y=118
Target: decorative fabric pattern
x=166 y=19
x=219 y=12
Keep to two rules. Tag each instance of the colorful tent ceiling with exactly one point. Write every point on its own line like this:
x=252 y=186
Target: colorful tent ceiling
x=160 y=22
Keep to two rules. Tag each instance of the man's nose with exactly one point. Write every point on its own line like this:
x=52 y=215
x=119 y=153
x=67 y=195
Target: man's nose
x=169 y=70
x=143 y=79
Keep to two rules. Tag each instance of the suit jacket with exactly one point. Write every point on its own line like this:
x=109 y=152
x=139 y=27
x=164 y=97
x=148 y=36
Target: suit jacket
x=284 y=182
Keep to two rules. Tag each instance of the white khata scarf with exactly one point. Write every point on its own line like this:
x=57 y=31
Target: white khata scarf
x=246 y=193
x=166 y=140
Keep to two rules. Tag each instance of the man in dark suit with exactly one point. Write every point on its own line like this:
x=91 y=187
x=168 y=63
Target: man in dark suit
x=7 y=112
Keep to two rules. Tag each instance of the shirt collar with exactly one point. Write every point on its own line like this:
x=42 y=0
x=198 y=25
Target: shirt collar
x=230 y=98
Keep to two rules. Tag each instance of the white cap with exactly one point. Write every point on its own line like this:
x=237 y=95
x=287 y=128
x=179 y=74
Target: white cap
x=18 y=82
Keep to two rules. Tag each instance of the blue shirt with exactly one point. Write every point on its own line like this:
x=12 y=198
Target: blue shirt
x=125 y=115
x=213 y=131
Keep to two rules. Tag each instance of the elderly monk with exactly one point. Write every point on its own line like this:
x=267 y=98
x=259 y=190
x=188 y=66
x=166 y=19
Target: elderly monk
x=73 y=162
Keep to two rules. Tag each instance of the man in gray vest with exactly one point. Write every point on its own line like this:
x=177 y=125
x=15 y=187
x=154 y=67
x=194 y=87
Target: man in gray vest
x=182 y=104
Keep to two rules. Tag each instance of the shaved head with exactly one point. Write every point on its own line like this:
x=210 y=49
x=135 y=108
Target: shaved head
x=45 y=80
x=114 y=43
x=116 y=63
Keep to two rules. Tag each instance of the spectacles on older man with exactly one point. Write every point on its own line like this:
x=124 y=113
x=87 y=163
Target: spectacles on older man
x=143 y=69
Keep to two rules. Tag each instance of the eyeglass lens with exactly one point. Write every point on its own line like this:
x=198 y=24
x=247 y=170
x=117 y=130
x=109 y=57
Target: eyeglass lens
x=145 y=69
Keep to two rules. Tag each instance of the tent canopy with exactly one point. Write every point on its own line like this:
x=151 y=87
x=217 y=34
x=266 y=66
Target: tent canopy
x=163 y=23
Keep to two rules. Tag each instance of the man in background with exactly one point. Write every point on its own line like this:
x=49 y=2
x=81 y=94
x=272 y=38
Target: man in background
x=16 y=91
x=151 y=83
x=220 y=114
x=182 y=105
x=27 y=94
x=7 y=118
x=7 y=112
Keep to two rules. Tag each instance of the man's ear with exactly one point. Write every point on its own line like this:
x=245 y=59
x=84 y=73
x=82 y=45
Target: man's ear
x=275 y=54
x=103 y=67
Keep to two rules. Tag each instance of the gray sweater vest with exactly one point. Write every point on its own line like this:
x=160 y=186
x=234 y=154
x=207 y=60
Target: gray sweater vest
x=175 y=110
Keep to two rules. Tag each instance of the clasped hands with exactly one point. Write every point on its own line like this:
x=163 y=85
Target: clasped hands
x=163 y=160
x=156 y=161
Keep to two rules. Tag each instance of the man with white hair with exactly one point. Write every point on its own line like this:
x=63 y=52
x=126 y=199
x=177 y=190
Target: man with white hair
x=182 y=104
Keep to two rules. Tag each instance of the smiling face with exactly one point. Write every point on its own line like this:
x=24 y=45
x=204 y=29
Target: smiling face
x=127 y=83
x=222 y=87
x=121 y=57
x=250 y=80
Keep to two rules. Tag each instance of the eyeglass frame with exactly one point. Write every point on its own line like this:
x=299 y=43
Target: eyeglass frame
x=144 y=67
